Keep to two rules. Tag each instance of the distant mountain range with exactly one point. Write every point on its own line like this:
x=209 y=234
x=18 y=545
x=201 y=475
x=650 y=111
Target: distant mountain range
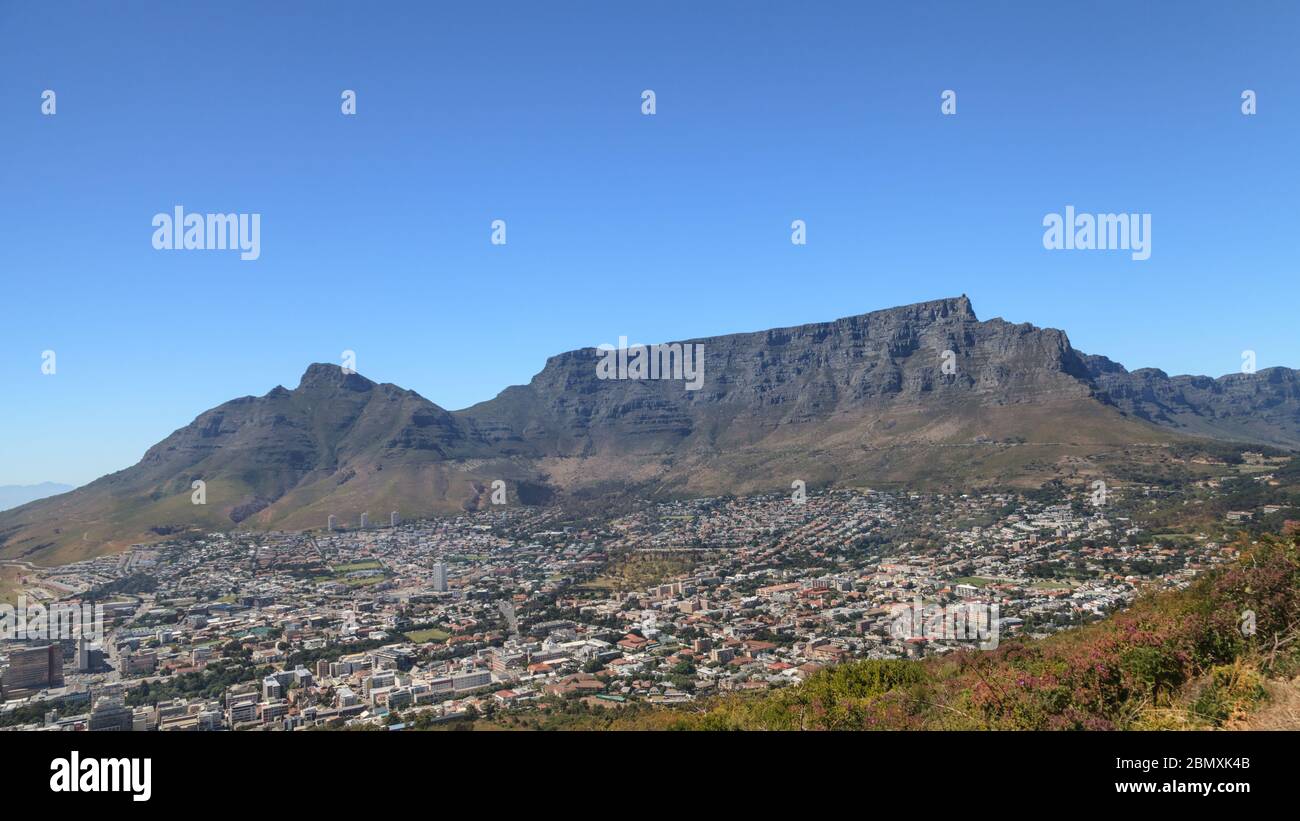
x=15 y=495
x=924 y=395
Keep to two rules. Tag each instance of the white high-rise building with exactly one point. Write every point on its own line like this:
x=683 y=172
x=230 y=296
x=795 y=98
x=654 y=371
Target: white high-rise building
x=333 y=522
x=440 y=578
x=83 y=655
x=393 y=519
x=365 y=520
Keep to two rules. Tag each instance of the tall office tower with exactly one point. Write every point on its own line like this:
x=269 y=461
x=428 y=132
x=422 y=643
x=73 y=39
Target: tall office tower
x=365 y=520
x=34 y=668
x=393 y=519
x=333 y=522
x=440 y=578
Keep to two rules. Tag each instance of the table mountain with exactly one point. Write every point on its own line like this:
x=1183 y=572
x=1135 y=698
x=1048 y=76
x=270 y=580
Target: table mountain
x=864 y=399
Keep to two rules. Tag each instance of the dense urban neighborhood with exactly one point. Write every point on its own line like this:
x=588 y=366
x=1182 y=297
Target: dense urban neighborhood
x=516 y=610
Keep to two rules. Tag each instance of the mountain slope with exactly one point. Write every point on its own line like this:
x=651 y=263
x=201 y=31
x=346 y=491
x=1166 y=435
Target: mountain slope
x=1262 y=407
x=338 y=443
x=864 y=399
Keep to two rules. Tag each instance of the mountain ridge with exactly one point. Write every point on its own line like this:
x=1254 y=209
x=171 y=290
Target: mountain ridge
x=925 y=393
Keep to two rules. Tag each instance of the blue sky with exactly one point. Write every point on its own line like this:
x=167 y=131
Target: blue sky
x=375 y=228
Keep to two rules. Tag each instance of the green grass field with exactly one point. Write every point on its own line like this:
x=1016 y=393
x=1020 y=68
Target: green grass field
x=977 y=581
x=432 y=634
x=368 y=564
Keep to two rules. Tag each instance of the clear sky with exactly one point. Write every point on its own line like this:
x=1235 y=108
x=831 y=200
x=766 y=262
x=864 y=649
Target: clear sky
x=375 y=228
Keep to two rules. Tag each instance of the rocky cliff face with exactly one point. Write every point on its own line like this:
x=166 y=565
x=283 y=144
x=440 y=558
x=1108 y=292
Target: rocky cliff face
x=1263 y=407
x=862 y=399
x=757 y=382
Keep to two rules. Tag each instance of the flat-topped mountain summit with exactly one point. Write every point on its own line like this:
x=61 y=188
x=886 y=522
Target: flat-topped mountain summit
x=924 y=393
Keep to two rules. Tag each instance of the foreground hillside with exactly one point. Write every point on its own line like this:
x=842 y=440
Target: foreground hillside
x=1175 y=660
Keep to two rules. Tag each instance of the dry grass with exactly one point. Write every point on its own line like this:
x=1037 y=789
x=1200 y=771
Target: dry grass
x=1280 y=712
x=9 y=584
